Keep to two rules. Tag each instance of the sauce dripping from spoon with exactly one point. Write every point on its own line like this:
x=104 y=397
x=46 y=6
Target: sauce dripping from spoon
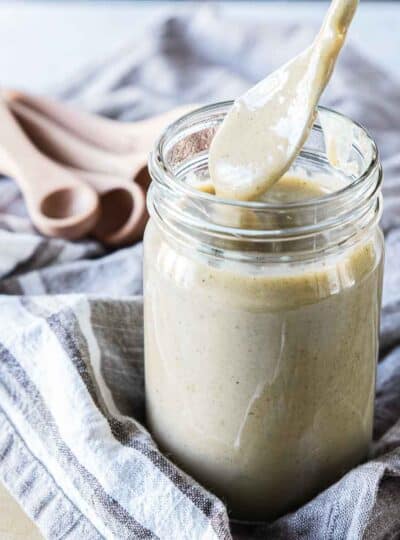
x=266 y=128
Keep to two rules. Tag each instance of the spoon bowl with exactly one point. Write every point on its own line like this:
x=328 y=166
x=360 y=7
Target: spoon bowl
x=123 y=215
x=58 y=202
x=69 y=203
x=126 y=225
x=111 y=157
x=265 y=129
x=69 y=212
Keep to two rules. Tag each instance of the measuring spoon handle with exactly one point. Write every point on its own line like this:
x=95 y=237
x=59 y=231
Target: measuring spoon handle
x=18 y=155
x=110 y=135
x=66 y=148
x=107 y=134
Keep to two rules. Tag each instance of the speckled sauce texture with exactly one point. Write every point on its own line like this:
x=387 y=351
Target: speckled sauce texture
x=258 y=375
x=266 y=127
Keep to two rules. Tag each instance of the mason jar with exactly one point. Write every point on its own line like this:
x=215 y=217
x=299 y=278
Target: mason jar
x=261 y=319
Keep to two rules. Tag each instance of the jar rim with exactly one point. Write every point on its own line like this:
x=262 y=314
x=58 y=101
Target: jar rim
x=161 y=172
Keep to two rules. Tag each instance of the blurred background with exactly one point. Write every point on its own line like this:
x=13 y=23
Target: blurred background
x=44 y=43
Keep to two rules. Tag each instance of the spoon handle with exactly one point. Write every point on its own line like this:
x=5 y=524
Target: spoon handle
x=339 y=16
x=330 y=39
x=68 y=149
x=124 y=215
x=107 y=134
x=17 y=153
x=145 y=132
x=58 y=203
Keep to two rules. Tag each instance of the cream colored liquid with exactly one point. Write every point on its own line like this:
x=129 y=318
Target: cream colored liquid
x=260 y=379
x=264 y=131
x=260 y=383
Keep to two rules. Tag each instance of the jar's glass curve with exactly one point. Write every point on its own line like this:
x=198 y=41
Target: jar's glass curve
x=261 y=324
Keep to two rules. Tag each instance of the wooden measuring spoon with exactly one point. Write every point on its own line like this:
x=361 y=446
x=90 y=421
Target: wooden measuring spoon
x=64 y=147
x=123 y=215
x=113 y=136
x=58 y=202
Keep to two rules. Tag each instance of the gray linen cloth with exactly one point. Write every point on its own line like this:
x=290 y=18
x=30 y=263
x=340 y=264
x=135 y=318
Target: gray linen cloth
x=73 y=449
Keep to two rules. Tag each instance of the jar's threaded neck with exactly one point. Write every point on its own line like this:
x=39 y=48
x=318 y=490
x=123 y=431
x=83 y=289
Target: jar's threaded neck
x=317 y=223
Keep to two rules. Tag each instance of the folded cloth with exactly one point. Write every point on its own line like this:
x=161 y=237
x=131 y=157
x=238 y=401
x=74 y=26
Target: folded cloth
x=73 y=449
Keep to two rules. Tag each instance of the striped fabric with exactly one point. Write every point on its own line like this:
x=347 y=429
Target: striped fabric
x=81 y=453
x=73 y=449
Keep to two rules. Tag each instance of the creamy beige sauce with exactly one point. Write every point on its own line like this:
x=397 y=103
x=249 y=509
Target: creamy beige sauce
x=266 y=127
x=260 y=382
x=260 y=378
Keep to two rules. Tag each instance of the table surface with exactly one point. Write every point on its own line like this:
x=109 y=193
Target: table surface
x=42 y=43
x=14 y=524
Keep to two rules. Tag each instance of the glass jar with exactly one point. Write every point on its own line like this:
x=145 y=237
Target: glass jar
x=261 y=321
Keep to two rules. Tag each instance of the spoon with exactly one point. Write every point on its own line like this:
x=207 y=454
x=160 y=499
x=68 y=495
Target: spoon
x=264 y=131
x=68 y=149
x=123 y=214
x=58 y=202
x=110 y=135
